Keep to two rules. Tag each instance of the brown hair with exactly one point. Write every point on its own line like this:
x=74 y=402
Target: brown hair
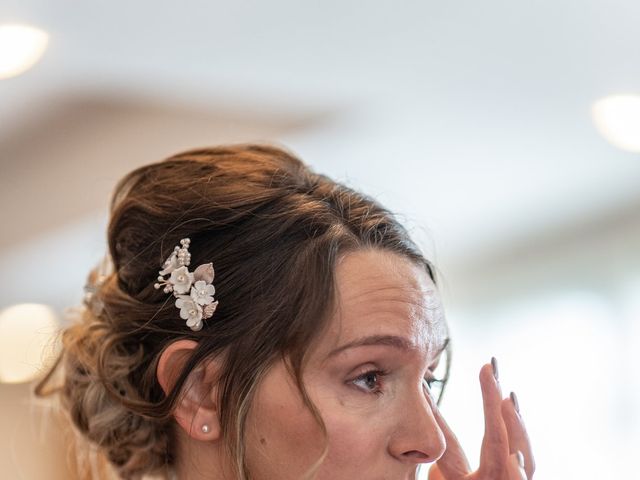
x=273 y=230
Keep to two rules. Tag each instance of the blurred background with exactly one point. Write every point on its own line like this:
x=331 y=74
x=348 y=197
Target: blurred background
x=504 y=134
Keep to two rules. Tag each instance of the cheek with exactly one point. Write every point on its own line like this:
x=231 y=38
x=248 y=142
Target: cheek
x=354 y=441
x=282 y=437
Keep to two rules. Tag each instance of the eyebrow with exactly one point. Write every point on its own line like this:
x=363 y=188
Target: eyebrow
x=395 y=341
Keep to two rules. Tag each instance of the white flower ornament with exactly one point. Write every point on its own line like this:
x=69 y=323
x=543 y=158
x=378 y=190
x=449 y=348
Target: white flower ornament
x=190 y=311
x=193 y=290
x=181 y=279
x=202 y=292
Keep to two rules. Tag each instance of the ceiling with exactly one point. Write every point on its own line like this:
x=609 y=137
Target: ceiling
x=470 y=119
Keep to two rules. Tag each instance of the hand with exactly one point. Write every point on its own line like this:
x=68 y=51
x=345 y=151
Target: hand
x=504 y=436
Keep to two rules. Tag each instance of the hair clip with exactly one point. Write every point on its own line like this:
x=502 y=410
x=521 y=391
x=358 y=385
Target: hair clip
x=193 y=290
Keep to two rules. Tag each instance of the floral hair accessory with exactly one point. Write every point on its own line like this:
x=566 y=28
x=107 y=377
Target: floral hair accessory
x=193 y=290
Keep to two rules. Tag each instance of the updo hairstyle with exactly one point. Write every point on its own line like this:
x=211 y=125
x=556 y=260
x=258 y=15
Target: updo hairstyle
x=273 y=230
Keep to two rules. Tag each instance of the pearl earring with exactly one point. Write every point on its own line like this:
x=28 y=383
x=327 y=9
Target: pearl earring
x=205 y=428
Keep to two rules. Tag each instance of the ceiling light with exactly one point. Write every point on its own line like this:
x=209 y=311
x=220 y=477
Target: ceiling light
x=21 y=46
x=27 y=341
x=617 y=118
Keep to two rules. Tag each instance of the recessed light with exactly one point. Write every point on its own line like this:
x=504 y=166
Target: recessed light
x=21 y=46
x=617 y=118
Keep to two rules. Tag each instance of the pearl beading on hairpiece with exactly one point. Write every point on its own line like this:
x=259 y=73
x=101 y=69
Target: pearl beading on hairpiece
x=193 y=290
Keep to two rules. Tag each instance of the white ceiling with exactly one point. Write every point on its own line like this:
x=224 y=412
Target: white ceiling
x=469 y=118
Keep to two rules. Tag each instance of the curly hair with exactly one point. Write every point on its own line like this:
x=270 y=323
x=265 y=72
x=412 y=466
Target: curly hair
x=274 y=230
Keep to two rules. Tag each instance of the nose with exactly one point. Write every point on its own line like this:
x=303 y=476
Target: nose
x=417 y=437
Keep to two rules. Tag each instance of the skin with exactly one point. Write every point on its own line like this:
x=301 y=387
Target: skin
x=379 y=426
x=381 y=421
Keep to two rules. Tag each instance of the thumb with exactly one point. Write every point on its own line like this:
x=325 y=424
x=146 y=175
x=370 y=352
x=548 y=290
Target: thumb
x=515 y=467
x=435 y=473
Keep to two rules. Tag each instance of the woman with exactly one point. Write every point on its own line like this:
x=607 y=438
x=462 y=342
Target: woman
x=314 y=360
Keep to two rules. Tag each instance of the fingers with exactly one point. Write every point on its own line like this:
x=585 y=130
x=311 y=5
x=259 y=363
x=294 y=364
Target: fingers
x=453 y=464
x=495 y=443
x=435 y=473
x=518 y=438
x=506 y=450
x=515 y=467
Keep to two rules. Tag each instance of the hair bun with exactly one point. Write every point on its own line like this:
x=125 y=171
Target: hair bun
x=97 y=397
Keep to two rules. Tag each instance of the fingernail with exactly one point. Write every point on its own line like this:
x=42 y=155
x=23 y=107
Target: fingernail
x=494 y=366
x=520 y=458
x=514 y=399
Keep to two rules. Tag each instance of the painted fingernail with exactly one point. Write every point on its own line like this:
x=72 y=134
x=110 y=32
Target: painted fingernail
x=494 y=366
x=514 y=399
x=520 y=459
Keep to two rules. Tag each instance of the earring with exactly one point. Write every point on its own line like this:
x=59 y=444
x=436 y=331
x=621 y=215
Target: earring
x=205 y=428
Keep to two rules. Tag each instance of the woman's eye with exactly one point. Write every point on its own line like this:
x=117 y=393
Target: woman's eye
x=369 y=381
x=372 y=382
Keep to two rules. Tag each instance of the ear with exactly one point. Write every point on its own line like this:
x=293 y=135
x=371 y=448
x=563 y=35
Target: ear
x=197 y=403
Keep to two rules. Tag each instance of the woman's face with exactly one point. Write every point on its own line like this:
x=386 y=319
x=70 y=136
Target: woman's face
x=365 y=375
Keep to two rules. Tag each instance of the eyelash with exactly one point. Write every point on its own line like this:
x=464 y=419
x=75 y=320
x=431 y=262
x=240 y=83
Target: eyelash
x=381 y=374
